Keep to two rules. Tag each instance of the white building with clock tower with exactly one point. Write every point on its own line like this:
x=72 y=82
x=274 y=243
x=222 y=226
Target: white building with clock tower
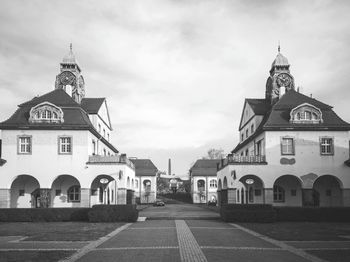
x=293 y=149
x=56 y=150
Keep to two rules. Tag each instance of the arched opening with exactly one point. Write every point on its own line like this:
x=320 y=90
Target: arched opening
x=287 y=191
x=201 y=190
x=219 y=185
x=253 y=191
x=224 y=194
x=327 y=191
x=102 y=188
x=147 y=185
x=24 y=192
x=65 y=191
x=128 y=182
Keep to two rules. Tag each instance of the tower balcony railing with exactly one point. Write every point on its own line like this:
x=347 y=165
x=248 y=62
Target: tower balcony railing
x=241 y=160
x=116 y=159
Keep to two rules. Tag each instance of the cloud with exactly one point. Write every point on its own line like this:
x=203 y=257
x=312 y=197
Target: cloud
x=175 y=73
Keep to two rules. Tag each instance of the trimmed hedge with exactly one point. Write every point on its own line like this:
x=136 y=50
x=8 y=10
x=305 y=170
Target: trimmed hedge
x=267 y=213
x=43 y=214
x=179 y=196
x=260 y=213
x=313 y=214
x=113 y=213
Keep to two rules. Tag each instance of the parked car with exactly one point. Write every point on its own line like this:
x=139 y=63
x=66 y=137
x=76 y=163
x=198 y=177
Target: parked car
x=158 y=203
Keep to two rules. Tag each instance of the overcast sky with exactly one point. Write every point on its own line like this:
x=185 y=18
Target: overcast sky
x=175 y=73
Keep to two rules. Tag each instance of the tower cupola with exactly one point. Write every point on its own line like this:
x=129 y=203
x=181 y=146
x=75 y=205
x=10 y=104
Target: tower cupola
x=280 y=77
x=70 y=78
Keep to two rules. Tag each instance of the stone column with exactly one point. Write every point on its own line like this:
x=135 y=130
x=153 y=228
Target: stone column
x=308 y=199
x=231 y=196
x=85 y=197
x=5 y=197
x=268 y=196
x=45 y=197
x=346 y=197
x=219 y=197
x=121 y=196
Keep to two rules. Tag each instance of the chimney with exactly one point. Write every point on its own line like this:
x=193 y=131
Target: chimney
x=169 y=167
x=69 y=90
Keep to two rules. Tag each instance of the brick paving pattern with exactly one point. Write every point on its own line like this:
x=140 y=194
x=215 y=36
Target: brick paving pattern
x=189 y=248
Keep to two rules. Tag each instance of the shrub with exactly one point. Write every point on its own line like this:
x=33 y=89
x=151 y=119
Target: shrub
x=113 y=213
x=247 y=213
x=43 y=214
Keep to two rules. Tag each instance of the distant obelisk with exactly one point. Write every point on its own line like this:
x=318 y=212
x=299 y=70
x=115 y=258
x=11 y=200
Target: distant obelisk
x=169 y=167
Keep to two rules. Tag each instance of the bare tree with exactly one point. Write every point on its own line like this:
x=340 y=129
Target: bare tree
x=214 y=153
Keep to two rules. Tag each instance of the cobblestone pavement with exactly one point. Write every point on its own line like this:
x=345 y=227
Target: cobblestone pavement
x=199 y=241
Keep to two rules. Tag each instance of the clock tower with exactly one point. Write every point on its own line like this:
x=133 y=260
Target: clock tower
x=280 y=77
x=70 y=78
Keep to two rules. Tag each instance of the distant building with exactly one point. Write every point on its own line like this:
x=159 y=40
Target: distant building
x=145 y=180
x=57 y=150
x=293 y=149
x=204 y=181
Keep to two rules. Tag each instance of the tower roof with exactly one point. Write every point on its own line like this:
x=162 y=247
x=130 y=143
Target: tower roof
x=280 y=60
x=70 y=57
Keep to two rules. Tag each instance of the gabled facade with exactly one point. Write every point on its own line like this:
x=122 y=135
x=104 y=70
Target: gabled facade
x=293 y=149
x=145 y=180
x=57 y=152
x=203 y=181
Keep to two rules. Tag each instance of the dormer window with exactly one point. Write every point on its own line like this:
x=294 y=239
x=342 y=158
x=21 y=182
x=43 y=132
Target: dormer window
x=306 y=114
x=46 y=113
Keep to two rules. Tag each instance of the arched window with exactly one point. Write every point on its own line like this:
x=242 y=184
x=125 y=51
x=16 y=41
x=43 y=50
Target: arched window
x=46 y=113
x=200 y=185
x=73 y=194
x=278 y=194
x=213 y=183
x=307 y=115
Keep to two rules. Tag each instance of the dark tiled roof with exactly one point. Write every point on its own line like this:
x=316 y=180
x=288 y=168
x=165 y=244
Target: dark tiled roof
x=75 y=118
x=204 y=167
x=280 y=114
x=92 y=105
x=144 y=167
x=278 y=117
x=58 y=97
x=259 y=106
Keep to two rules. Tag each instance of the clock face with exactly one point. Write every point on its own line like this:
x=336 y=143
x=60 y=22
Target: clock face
x=285 y=80
x=67 y=78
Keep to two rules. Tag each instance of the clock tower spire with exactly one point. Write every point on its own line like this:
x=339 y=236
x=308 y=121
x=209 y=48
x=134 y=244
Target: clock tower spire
x=280 y=77
x=70 y=78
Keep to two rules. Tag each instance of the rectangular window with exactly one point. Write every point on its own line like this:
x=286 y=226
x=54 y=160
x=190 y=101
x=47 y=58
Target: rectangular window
x=21 y=192
x=252 y=129
x=287 y=146
x=93 y=147
x=24 y=145
x=65 y=145
x=58 y=192
x=326 y=146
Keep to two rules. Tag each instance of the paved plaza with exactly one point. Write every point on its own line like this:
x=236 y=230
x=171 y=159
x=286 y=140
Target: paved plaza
x=184 y=233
